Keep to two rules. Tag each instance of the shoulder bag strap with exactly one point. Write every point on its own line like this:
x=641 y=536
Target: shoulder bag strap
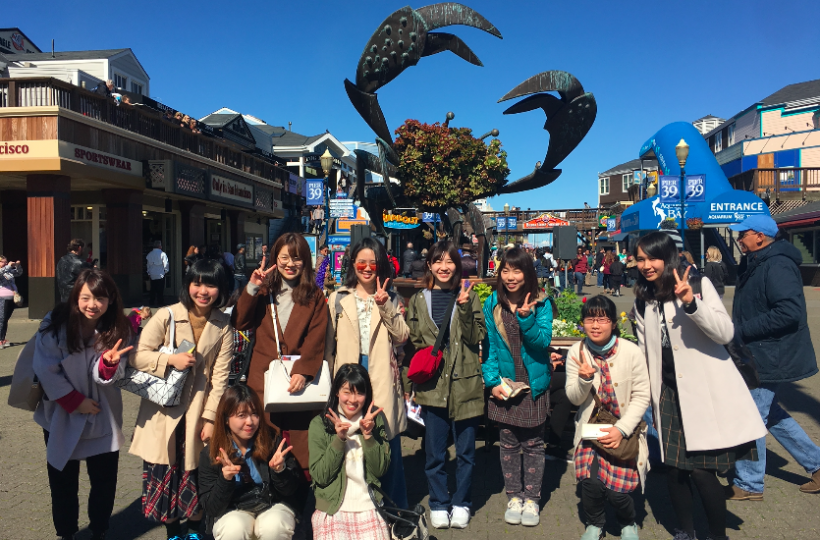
x=171 y=329
x=274 y=317
x=445 y=326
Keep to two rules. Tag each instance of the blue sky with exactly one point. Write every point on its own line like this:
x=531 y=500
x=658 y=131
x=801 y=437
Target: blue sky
x=648 y=64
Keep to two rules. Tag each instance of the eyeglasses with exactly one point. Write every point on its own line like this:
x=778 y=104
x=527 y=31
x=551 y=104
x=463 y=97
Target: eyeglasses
x=744 y=234
x=285 y=260
x=598 y=320
x=362 y=266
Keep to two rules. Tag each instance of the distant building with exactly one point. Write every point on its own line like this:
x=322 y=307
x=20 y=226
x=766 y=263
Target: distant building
x=707 y=123
x=13 y=41
x=623 y=183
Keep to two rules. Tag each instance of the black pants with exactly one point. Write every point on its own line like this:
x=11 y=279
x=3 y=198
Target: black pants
x=65 y=486
x=6 y=309
x=155 y=295
x=594 y=495
x=561 y=406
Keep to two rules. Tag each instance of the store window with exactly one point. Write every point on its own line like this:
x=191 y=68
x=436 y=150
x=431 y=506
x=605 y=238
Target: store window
x=120 y=81
x=603 y=189
x=253 y=247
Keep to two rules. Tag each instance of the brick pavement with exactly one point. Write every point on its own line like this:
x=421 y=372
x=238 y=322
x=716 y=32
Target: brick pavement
x=786 y=513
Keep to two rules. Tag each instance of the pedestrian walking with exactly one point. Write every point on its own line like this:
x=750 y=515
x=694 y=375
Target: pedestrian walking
x=157 y=267
x=716 y=270
x=519 y=330
x=348 y=451
x=581 y=267
x=607 y=373
x=366 y=326
x=453 y=399
x=247 y=475
x=77 y=360
x=407 y=259
x=704 y=413
x=599 y=263
x=169 y=440
x=69 y=267
x=770 y=317
x=8 y=288
x=616 y=274
x=240 y=267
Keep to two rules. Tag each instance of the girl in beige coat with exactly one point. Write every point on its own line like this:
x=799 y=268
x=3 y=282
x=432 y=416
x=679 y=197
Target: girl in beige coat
x=367 y=330
x=703 y=411
x=170 y=439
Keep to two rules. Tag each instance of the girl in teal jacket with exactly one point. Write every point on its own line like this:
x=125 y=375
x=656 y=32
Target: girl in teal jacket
x=517 y=370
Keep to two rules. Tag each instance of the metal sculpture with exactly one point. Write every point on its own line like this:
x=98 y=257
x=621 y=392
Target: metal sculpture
x=400 y=42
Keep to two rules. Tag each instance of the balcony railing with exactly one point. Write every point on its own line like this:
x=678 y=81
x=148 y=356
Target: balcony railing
x=582 y=218
x=803 y=182
x=146 y=121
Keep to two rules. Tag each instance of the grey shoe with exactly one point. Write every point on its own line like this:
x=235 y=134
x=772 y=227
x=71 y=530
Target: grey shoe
x=513 y=513
x=682 y=535
x=630 y=532
x=593 y=533
x=530 y=516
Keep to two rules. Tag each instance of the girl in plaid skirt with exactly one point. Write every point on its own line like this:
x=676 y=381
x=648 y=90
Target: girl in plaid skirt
x=615 y=370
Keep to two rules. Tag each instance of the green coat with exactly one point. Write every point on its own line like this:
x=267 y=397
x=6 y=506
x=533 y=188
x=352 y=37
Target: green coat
x=327 y=462
x=458 y=385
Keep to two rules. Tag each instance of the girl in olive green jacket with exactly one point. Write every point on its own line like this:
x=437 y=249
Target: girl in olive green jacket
x=348 y=451
x=453 y=399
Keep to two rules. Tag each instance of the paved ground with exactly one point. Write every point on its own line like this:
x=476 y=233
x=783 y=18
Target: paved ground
x=786 y=513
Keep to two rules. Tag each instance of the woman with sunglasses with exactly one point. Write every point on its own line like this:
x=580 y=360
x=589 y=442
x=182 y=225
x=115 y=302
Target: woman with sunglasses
x=367 y=323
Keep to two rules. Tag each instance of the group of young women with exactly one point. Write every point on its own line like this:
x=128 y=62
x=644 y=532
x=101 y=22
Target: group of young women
x=218 y=457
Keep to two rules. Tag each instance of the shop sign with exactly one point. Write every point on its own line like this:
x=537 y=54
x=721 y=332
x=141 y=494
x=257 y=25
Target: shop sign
x=96 y=158
x=545 y=221
x=231 y=190
x=341 y=208
x=344 y=224
x=295 y=184
x=27 y=149
x=15 y=42
x=397 y=221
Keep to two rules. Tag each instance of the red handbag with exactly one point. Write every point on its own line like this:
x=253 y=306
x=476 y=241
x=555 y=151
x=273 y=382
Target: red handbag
x=427 y=361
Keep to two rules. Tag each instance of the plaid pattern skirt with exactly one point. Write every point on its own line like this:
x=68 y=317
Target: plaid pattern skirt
x=169 y=492
x=367 y=525
x=674 y=442
x=616 y=475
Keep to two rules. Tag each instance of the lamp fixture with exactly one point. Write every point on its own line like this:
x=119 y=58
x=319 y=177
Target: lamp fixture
x=327 y=161
x=682 y=152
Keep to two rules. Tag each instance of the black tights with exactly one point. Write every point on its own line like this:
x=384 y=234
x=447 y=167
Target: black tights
x=711 y=494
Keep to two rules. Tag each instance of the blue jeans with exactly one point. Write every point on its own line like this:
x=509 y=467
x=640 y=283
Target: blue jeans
x=600 y=279
x=393 y=482
x=438 y=425
x=579 y=282
x=749 y=474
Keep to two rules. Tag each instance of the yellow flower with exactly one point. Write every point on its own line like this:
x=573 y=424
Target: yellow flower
x=623 y=314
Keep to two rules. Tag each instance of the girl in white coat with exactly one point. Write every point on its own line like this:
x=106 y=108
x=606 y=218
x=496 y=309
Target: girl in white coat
x=703 y=411
x=614 y=369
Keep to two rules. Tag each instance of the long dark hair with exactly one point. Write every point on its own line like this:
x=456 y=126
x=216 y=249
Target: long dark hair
x=239 y=398
x=436 y=253
x=209 y=272
x=601 y=306
x=298 y=247
x=112 y=325
x=383 y=267
x=357 y=378
x=520 y=259
x=658 y=245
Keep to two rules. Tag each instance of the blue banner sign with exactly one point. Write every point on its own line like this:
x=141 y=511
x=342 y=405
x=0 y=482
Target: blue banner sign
x=611 y=224
x=696 y=188
x=512 y=223
x=668 y=189
x=429 y=217
x=314 y=195
x=500 y=223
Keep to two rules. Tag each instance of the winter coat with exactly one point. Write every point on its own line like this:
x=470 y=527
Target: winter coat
x=418 y=268
x=542 y=271
x=202 y=391
x=407 y=259
x=581 y=264
x=68 y=268
x=239 y=264
x=458 y=384
x=630 y=380
x=616 y=268
x=717 y=409
x=536 y=334
x=387 y=330
x=769 y=312
x=716 y=272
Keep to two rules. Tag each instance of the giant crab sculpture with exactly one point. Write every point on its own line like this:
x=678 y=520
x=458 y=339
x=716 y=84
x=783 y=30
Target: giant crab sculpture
x=399 y=43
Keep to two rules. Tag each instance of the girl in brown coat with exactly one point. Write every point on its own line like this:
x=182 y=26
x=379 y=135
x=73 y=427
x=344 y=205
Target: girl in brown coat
x=301 y=314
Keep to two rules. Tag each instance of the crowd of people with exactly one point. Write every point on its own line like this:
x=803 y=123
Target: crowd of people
x=218 y=463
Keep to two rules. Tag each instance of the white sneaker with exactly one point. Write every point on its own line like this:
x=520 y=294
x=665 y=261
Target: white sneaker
x=513 y=513
x=459 y=517
x=529 y=516
x=440 y=519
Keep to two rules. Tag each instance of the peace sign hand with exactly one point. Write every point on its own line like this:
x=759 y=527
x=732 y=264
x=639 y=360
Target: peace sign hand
x=340 y=425
x=229 y=470
x=367 y=423
x=258 y=276
x=277 y=462
x=112 y=357
x=381 y=296
x=527 y=306
x=683 y=290
x=464 y=294
x=585 y=370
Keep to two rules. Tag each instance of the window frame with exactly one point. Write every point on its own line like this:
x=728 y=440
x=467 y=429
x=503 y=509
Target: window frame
x=124 y=78
x=601 y=183
x=718 y=142
x=730 y=135
x=136 y=87
x=626 y=182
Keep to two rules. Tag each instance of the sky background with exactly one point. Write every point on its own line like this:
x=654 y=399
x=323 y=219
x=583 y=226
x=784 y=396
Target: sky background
x=647 y=63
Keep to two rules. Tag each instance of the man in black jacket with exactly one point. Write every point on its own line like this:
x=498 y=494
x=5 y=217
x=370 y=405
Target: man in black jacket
x=239 y=266
x=769 y=313
x=69 y=267
x=407 y=259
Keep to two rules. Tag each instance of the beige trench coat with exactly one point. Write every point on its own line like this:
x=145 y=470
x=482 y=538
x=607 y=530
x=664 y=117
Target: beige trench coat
x=153 y=439
x=717 y=409
x=387 y=330
x=630 y=380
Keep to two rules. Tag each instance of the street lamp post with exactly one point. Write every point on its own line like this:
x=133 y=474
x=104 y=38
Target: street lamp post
x=507 y=222
x=327 y=166
x=682 y=152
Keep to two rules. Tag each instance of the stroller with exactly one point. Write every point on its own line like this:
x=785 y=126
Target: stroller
x=404 y=524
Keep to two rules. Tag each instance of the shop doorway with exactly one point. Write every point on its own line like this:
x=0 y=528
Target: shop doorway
x=162 y=227
x=216 y=234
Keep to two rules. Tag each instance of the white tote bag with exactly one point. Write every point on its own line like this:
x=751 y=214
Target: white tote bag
x=277 y=380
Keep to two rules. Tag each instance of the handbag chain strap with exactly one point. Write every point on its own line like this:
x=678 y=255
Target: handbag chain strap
x=275 y=317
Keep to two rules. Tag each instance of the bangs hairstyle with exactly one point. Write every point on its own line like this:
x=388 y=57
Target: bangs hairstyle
x=297 y=247
x=357 y=379
x=436 y=253
x=383 y=270
x=602 y=306
x=112 y=325
x=658 y=245
x=237 y=399
x=517 y=258
x=208 y=272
